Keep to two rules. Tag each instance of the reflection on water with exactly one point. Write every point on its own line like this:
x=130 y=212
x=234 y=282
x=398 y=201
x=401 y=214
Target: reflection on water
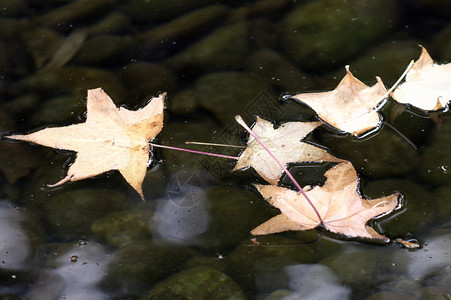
x=14 y=243
x=315 y=281
x=180 y=224
x=72 y=274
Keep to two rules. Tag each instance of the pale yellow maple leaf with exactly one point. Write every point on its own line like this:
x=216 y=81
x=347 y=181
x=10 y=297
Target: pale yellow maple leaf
x=111 y=139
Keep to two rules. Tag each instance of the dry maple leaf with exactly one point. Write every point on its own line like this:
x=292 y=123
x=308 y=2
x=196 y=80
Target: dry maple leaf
x=338 y=202
x=285 y=143
x=111 y=139
x=351 y=107
x=427 y=85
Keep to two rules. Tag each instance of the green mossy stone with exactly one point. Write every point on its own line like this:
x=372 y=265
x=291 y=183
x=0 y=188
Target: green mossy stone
x=383 y=153
x=184 y=102
x=328 y=33
x=278 y=70
x=224 y=49
x=42 y=43
x=160 y=40
x=176 y=134
x=442 y=199
x=442 y=46
x=75 y=12
x=251 y=265
x=146 y=80
x=417 y=210
x=114 y=23
x=123 y=228
x=435 y=166
x=387 y=60
x=390 y=296
x=73 y=80
x=227 y=94
x=106 y=50
x=365 y=268
x=199 y=283
x=233 y=214
x=73 y=212
x=18 y=159
x=138 y=266
x=144 y=11
x=205 y=261
x=13 y=8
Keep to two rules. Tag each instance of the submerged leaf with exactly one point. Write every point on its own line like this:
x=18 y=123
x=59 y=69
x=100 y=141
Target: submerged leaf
x=111 y=139
x=427 y=85
x=285 y=143
x=350 y=107
x=338 y=202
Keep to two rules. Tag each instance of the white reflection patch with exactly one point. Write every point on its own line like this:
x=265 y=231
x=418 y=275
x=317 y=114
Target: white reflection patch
x=14 y=243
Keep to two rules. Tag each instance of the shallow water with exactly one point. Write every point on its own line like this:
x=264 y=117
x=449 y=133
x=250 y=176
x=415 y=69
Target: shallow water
x=95 y=239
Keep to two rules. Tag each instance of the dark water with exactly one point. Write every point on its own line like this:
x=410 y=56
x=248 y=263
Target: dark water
x=95 y=239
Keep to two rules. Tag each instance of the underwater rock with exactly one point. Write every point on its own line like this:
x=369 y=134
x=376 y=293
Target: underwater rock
x=442 y=198
x=161 y=40
x=138 y=266
x=56 y=86
x=42 y=43
x=417 y=211
x=123 y=228
x=261 y=268
x=227 y=94
x=382 y=153
x=387 y=60
x=17 y=160
x=146 y=80
x=184 y=102
x=13 y=8
x=369 y=267
x=74 y=12
x=76 y=80
x=114 y=23
x=176 y=134
x=435 y=163
x=200 y=283
x=276 y=69
x=106 y=49
x=224 y=49
x=328 y=33
x=442 y=45
x=234 y=213
x=143 y=11
x=72 y=212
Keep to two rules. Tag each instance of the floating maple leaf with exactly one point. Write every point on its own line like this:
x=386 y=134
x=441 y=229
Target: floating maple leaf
x=427 y=85
x=111 y=139
x=338 y=202
x=285 y=143
x=351 y=107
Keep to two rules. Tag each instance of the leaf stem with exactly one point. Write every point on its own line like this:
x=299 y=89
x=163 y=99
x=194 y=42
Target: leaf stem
x=213 y=144
x=242 y=123
x=194 y=151
x=399 y=80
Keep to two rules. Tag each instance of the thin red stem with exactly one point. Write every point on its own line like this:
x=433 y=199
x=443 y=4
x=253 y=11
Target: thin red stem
x=242 y=123
x=194 y=151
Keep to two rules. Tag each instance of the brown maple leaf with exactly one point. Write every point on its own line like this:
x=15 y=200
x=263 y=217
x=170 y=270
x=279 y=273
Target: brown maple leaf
x=351 y=107
x=111 y=139
x=427 y=85
x=338 y=202
x=285 y=143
